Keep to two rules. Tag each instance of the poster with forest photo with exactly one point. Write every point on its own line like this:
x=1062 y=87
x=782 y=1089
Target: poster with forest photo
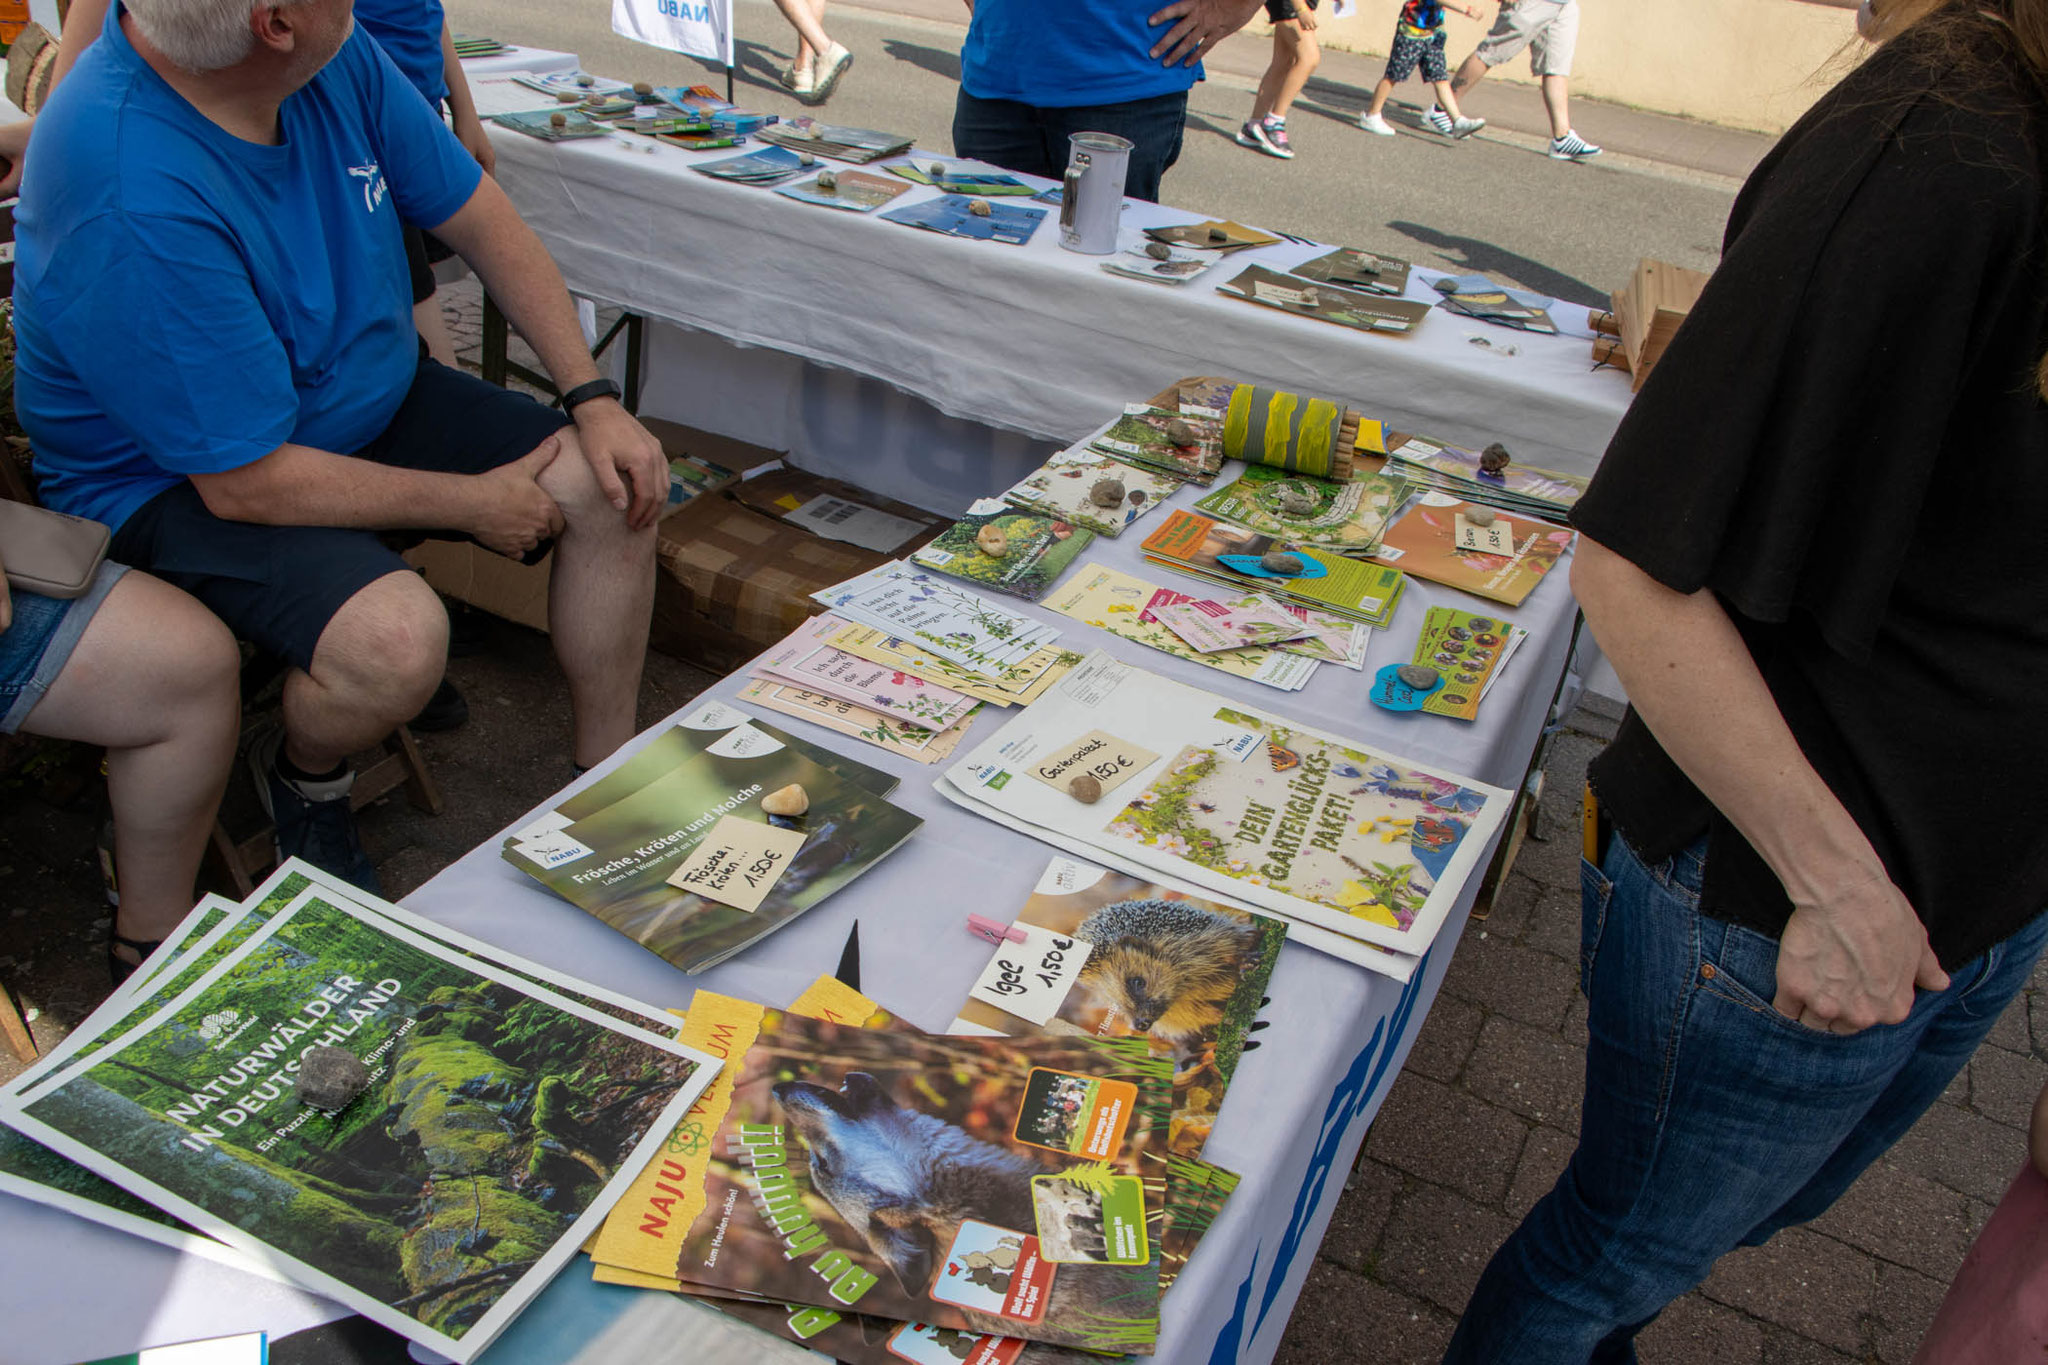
x=499 y=1124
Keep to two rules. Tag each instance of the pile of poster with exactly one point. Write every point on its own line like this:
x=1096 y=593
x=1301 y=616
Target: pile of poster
x=651 y=848
x=1364 y=853
x=1131 y=607
x=499 y=1110
x=810 y=677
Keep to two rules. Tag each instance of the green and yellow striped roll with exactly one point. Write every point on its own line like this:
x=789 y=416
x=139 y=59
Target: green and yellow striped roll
x=1288 y=431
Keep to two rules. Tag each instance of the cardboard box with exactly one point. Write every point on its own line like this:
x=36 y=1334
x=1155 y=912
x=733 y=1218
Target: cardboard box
x=519 y=592
x=733 y=579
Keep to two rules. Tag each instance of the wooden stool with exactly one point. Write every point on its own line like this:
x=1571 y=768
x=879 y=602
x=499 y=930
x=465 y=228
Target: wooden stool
x=248 y=859
x=16 y=1029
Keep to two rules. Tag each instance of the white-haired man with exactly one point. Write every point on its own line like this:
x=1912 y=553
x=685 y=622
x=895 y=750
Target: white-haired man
x=217 y=359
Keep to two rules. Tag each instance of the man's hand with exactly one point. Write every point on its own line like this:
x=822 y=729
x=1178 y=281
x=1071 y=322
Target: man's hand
x=1199 y=25
x=470 y=133
x=621 y=452
x=1852 y=959
x=513 y=513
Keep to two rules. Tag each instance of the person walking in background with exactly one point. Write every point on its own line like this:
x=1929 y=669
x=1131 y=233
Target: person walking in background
x=1550 y=30
x=819 y=62
x=1295 y=55
x=1034 y=72
x=1419 y=41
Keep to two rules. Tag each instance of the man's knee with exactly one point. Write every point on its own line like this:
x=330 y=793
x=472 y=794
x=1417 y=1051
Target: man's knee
x=388 y=642
x=570 y=481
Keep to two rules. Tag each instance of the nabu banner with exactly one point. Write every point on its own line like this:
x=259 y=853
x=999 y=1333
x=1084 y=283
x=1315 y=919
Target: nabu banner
x=696 y=28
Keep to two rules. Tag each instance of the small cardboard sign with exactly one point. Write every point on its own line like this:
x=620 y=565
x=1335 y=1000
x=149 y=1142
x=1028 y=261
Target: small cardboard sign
x=1031 y=979
x=1104 y=757
x=1497 y=539
x=739 y=862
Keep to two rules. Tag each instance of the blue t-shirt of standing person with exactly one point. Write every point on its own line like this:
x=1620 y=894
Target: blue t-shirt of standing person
x=409 y=31
x=1060 y=54
x=186 y=302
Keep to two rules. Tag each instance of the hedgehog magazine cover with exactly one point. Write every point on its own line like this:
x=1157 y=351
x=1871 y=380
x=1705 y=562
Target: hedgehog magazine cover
x=495 y=1125
x=1004 y=1186
x=1186 y=973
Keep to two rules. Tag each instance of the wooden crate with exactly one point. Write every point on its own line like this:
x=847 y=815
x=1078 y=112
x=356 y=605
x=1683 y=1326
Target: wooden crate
x=1646 y=315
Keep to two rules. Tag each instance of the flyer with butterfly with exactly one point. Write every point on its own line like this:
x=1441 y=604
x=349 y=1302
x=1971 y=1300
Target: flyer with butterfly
x=1374 y=848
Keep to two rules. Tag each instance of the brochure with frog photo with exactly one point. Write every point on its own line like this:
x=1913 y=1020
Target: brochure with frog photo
x=1344 y=518
x=1012 y=551
x=1093 y=490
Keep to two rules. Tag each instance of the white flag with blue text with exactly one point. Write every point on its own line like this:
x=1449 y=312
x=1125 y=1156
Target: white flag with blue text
x=696 y=28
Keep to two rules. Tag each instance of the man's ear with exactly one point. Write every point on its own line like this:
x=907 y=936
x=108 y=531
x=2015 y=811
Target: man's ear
x=273 y=28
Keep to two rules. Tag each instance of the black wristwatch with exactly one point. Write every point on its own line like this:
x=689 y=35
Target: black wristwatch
x=583 y=393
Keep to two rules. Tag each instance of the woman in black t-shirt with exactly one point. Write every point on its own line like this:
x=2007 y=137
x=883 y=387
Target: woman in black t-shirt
x=1828 y=869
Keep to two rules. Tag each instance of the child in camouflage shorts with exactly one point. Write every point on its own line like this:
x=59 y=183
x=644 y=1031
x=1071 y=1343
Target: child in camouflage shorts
x=1419 y=40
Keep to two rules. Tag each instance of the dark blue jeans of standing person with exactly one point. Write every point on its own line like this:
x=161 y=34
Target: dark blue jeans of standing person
x=1033 y=141
x=1711 y=1120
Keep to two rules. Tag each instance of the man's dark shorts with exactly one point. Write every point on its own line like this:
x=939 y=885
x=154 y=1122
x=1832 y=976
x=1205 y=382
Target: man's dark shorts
x=279 y=586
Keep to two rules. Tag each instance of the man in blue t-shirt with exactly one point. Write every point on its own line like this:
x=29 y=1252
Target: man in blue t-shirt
x=1034 y=72
x=215 y=356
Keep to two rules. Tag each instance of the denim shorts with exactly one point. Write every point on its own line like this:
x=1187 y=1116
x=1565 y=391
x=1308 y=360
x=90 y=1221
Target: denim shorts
x=38 y=643
x=278 y=586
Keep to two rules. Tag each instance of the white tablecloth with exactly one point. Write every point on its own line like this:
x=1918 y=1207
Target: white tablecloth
x=1030 y=339
x=539 y=60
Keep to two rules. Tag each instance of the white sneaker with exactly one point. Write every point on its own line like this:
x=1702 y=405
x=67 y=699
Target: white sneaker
x=1572 y=147
x=1465 y=127
x=829 y=68
x=1438 y=120
x=1374 y=123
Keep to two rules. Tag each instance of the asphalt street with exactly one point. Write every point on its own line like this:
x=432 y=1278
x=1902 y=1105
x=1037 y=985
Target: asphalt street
x=1495 y=204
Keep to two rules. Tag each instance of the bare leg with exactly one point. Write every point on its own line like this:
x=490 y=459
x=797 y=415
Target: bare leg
x=154 y=678
x=1379 y=96
x=1301 y=52
x=432 y=326
x=809 y=31
x=805 y=53
x=377 y=663
x=600 y=599
x=1469 y=73
x=1557 y=101
x=1446 y=100
x=1276 y=75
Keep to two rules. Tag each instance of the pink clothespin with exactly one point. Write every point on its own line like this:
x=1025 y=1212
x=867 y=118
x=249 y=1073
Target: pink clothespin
x=995 y=931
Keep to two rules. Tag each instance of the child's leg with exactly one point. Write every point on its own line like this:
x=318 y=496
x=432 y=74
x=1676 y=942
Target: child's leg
x=1447 y=98
x=1379 y=96
x=1302 y=53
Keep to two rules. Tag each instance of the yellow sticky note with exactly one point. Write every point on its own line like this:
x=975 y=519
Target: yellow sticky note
x=788 y=502
x=739 y=862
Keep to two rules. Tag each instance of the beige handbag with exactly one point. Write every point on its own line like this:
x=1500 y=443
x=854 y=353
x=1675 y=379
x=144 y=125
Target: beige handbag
x=48 y=552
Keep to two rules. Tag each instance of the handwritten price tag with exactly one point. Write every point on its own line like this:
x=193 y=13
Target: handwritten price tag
x=1497 y=539
x=1031 y=979
x=739 y=862
x=1102 y=756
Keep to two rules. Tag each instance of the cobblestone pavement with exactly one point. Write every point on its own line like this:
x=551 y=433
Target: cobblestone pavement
x=1476 y=1129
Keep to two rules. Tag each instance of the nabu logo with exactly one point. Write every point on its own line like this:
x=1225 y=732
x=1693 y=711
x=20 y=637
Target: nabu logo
x=372 y=176
x=215 y=1025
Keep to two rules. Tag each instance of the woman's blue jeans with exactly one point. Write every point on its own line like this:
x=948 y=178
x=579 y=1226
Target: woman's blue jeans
x=1710 y=1121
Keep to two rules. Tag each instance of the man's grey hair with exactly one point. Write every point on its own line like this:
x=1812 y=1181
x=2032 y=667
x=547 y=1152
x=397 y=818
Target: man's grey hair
x=200 y=35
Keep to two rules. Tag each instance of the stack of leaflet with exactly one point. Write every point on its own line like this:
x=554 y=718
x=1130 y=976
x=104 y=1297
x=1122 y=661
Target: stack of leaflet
x=1047 y=1211
x=1475 y=296
x=623 y=849
x=703 y=101
x=1131 y=608
x=1360 y=309
x=528 y=1103
x=1514 y=488
x=852 y=191
x=1005 y=548
x=476 y=45
x=960 y=215
x=1470 y=650
x=809 y=677
x=1191 y=543
x=837 y=141
x=769 y=166
x=1065 y=487
x=940 y=617
x=955 y=178
x=1187 y=445
x=1366 y=854
x=1455 y=543
x=1345 y=517
x=576 y=85
x=1172 y=264
x=1355 y=269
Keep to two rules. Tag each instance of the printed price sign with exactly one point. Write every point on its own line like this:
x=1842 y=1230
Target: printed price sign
x=1497 y=539
x=1031 y=979
x=739 y=862
x=1102 y=756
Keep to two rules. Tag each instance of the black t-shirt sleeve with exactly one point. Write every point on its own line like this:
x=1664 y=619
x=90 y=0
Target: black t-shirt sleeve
x=1779 y=452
